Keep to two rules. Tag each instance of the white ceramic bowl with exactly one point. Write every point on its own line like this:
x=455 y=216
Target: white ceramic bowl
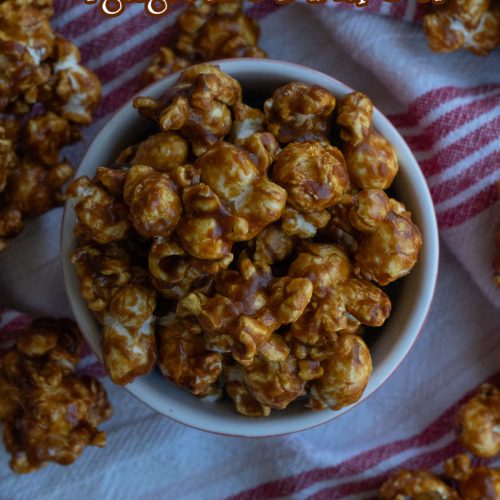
x=413 y=293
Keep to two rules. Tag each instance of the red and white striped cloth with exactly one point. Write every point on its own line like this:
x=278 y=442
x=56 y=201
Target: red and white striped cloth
x=448 y=109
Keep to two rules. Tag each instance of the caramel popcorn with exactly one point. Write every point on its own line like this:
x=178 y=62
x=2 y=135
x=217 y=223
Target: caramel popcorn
x=243 y=269
x=391 y=251
x=207 y=32
x=479 y=422
x=345 y=374
x=470 y=24
x=184 y=359
x=371 y=160
x=299 y=112
x=49 y=413
x=45 y=96
x=474 y=483
x=416 y=484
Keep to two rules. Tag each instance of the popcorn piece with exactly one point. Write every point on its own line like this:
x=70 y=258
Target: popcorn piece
x=299 y=112
x=313 y=174
x=207 y=230
x=128 y=344
x=416 y=484
x=325 y=265
x=473 y=482
x=345 y=374
x=247 y=121
x=244 y=402
x=274 y=384
x=217 y=32
x=355 y=114
x=163 y=151
x=49 y=413
x=77 y=90
x=391 y=251
x=11 y=224
x=369 y=209
x=33 y=189
x=366 y=302
x=102 y=273
x=20 y=77
x=303 y=225
x=102 y=217
x=371 y=160
x=198 y=106
x=155 y=206
x=184 y=359
x=175 y=273
x=46 y=135
x=245 y=192
x=272 y=245
x=479 y=422
x=28 y=27
x=469 y=24
x=164 y=62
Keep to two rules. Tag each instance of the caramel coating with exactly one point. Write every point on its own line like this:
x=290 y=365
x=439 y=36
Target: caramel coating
x=33 y=189
x=128 y=344
x=391 y=251
x=184 y=359
x=479 y=422
x=299 y=112
x=77 y=90
x=303 y=225
x=366 y=302
x=102 y=217
x=46 y=135
x=247 y=121
x=154 y=205
x=206 y=32
x=274 y=384
x=325 y=265
x=198 y=106
x=102 y=273
x=49 y=413
x=313 y=174
x=470 y=24
x=245 y=192
x=272 y=245
x=369 y=209
x=416 y=484
x=163 y=151
x=345 y=374
x=355 y=112
x=175 y=273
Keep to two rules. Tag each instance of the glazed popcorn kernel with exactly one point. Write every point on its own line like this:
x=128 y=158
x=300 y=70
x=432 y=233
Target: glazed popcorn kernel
x=50 y=413
x=470 y=24
x=233 y=248
x=416 y=484
x=478 y=422
x=206 y=32
x=46 y=95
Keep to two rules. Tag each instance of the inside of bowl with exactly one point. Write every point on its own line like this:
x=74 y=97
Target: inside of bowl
x=411 y=297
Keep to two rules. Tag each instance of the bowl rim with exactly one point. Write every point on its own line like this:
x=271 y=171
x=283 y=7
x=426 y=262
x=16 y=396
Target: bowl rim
x=424 y=200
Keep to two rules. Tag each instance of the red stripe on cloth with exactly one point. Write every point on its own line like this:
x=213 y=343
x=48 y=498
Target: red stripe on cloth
x=86 y=21
x=61 y=6
x=451 y=121
x=462 y=148
x=429 y=101
x=424 y=461
x=120 y=34
x=96 y=370
x=16 y=324
x=466 y=179
x=143 y=50
x=468 y=208
x=398 y=9
x=420 y=12
x=263 y=9
x=364 y=461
